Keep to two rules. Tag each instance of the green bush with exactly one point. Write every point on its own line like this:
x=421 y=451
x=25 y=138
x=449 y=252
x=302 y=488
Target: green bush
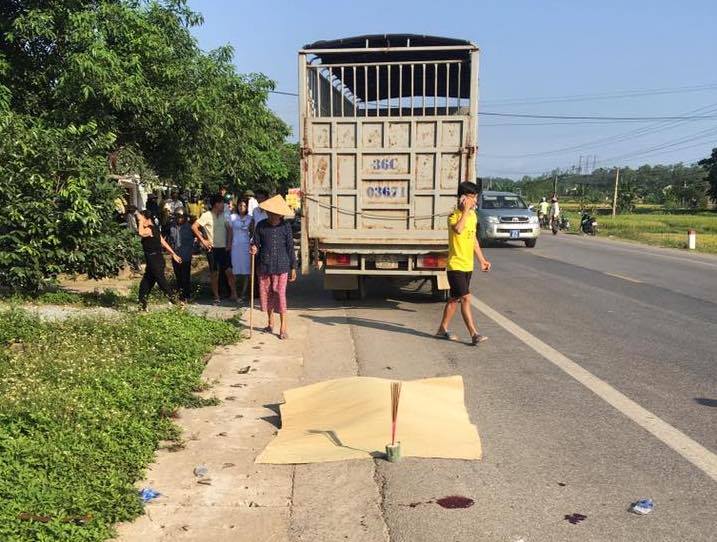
x=83 y=405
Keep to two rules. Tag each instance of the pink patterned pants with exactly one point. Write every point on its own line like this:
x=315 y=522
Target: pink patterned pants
x=272 y=292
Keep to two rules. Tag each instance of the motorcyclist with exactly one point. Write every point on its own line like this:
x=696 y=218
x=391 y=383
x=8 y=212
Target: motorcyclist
x=543 y=209
x=554 y=210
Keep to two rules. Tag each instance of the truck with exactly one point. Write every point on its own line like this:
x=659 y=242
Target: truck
x=387 y=131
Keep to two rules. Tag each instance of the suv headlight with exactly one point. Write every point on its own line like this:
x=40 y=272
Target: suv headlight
x=492 y=219
x=533 y=220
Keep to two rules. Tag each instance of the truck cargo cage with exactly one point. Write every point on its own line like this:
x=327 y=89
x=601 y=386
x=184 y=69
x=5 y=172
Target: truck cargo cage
x=394 y=83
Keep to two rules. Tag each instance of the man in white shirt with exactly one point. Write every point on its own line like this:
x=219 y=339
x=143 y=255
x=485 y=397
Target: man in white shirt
x=174 y=204
x=217 y=243
x=258 y=214
x=251 y=202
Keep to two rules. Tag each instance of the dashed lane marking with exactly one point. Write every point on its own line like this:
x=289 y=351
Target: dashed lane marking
x=623 y=277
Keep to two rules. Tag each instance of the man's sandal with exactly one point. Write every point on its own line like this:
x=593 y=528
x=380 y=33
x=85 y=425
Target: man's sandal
x=267 y=329
x=477 y=339
x=445 y=335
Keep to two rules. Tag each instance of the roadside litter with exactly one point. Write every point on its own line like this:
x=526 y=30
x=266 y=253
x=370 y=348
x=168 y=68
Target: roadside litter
x=642 y=507
x=244 y=370
x=201 y=471
x=148 y=494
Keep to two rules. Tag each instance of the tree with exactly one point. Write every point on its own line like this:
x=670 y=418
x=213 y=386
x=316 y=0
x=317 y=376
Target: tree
x=710 y=165
x=124 y=85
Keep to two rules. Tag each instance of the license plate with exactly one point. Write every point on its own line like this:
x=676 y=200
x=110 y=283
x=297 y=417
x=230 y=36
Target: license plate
x=386 y=263
x=514 y=234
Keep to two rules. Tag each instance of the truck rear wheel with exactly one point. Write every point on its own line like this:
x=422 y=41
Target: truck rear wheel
x=530 y=243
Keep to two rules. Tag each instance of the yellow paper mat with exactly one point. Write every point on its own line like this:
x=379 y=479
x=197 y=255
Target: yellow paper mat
x=350 y=418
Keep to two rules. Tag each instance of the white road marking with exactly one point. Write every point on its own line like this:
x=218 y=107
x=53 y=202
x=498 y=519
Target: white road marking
x=623 y=277
x=695 y=453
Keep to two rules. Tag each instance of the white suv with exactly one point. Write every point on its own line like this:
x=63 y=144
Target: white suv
x=504 y=216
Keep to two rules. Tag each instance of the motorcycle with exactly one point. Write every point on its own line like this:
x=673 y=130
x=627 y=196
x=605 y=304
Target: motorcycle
x=588 y=224
x=564 y=224
x=543 y=219
x=555 y=225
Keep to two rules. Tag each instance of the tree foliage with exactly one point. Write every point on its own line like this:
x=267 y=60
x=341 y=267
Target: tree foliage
x=91 y=87
x=673 y=185
x=710 y=165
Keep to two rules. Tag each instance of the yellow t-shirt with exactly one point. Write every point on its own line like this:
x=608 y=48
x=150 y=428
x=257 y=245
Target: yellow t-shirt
x=461 y=245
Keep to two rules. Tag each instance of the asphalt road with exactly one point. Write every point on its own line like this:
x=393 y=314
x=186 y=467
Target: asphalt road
x=641 y=321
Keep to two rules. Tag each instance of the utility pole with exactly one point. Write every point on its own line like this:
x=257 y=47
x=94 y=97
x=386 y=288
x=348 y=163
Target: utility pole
x=555 y=185
x=614 y=196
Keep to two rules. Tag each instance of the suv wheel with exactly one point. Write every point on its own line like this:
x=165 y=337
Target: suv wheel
x=530 y=243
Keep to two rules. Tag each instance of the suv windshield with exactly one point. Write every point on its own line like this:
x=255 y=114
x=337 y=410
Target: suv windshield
x=502 y=202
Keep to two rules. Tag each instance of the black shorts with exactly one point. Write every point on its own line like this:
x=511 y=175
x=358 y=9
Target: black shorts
x=218 y=258
x=459 y=282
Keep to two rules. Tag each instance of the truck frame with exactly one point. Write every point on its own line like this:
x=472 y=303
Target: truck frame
x=388 y=129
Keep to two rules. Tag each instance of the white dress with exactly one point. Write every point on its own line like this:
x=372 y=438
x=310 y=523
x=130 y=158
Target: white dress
x=240 y=244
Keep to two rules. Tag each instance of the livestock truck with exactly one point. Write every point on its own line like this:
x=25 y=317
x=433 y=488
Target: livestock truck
x=387 y=131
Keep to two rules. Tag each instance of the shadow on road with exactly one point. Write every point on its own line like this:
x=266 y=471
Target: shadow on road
x=336 y=441
x=367 y=323
x=706 y=402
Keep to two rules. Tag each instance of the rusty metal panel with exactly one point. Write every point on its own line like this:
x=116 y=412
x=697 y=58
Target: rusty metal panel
x=320 y=172
x=321 y=135
x=346 y=135
x=399 y=134
x=423 y=209
x=346 y=212
x=450 y=170
x=425 y=134
x=372 y=135
x=325 y=214
x=451 y=133
x=385 y=219
x=425 y=171
x=346 y=171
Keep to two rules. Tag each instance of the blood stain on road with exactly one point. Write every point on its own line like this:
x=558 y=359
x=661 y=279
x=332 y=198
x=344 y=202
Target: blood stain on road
x=455 y=501
x=575 y=518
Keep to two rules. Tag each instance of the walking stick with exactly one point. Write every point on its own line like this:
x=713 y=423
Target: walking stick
x=251 y=302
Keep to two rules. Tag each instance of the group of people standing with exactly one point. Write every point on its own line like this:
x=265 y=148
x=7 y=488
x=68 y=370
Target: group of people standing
x=231 y=233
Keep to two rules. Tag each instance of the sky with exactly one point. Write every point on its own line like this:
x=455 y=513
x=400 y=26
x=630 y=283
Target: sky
x=628 y=58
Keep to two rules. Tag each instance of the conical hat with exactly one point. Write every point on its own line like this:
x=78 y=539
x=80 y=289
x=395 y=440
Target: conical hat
x=276 y=205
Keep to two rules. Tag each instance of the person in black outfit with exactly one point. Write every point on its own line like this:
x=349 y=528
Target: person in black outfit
x=152 y=243
x=181 y=238
x=152 y=208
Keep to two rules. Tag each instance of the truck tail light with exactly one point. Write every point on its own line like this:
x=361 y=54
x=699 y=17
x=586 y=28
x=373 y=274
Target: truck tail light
x=341 y=260
x=431 y=261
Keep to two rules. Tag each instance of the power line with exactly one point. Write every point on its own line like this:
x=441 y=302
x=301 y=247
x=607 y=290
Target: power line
x=602 y=95
x=611 y=140
x=591 y=117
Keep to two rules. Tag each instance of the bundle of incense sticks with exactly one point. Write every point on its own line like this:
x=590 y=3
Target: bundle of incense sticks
x=395 y=396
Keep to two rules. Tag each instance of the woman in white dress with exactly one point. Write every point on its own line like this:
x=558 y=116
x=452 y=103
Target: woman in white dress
x=240 y=222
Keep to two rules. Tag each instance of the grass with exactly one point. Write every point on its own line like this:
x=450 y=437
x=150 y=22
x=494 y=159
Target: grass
x=84 y=403
x=660 y=229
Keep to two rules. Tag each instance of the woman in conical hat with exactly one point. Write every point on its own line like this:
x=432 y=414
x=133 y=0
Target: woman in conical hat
x=274 y=243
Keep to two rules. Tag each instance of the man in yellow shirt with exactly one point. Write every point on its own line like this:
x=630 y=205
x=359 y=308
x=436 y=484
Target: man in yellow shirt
x=462 y=247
